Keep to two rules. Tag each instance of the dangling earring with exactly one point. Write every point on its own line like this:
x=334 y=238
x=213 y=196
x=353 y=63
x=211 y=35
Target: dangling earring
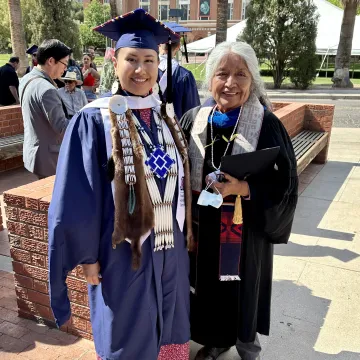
x=155 y=89
x=115 y=86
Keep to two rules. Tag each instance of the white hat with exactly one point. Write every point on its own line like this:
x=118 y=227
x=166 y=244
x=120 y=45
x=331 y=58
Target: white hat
x=71 y=75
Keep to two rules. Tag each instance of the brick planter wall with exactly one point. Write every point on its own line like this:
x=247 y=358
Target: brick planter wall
x=26 y=211
x=11 y=123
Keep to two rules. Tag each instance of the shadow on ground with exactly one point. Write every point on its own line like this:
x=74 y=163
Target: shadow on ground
x=297 y=319
x=315 y=201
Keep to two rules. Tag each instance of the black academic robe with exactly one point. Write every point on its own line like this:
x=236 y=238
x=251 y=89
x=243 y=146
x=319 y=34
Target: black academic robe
x=221 y=312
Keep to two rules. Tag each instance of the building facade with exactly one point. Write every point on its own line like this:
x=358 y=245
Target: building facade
x=198 y=15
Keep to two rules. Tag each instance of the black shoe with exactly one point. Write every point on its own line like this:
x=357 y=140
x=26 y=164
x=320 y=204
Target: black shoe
x=210 y=353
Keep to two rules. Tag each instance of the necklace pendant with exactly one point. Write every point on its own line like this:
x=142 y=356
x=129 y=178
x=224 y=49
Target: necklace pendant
x=160 y=163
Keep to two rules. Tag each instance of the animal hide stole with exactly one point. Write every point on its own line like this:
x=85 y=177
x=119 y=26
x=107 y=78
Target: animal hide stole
x=130 y=226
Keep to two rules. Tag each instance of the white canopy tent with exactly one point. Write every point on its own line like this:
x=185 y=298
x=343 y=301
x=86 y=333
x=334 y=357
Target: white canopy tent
x=330 y=19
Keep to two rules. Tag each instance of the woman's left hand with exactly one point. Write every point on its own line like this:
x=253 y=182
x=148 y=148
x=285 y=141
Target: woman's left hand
x=232 y=186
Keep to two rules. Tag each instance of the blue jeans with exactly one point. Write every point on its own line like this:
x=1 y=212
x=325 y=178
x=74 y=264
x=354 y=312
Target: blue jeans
x=90 y=95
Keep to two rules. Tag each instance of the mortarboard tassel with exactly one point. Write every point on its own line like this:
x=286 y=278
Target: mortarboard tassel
x=238 y=214
x=186 y=52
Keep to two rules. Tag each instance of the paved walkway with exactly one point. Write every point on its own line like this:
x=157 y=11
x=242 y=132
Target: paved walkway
x=316 y=289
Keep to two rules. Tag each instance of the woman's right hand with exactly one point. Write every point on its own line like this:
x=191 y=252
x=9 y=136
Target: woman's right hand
x=92 y=272
x=86 y=73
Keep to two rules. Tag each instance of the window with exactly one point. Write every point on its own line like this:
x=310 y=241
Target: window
x=230 y=10
x=243 y=10
x=186 y=12
x=204 y=18
x=145 y=4
x=163 y=12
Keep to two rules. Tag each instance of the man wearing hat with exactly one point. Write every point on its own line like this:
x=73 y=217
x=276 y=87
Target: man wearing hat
x=73 y=97
x=185 y=92
x=32 y=50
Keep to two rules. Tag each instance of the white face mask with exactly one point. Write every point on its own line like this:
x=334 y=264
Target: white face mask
x=207 y=198
x=210 y=199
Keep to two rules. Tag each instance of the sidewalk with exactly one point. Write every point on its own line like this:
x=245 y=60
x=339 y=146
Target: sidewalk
x=316 y=288
x=325 y=93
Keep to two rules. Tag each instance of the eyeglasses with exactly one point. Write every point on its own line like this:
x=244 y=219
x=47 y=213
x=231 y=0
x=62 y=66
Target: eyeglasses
x=66 y=65
x=69 y=81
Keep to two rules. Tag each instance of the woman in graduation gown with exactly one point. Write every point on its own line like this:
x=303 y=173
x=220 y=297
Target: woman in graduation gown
x=231 y=272
x=127 y=234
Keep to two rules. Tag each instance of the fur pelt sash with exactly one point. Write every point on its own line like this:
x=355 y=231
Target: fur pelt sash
x=137 y=226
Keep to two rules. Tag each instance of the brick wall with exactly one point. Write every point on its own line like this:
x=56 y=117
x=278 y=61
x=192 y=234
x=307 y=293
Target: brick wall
x=26 y=211
x=319 y=118
x=11 y=123
x=292 y=116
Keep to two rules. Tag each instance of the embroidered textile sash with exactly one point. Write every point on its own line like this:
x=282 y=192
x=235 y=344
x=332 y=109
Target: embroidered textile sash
x=248 y=131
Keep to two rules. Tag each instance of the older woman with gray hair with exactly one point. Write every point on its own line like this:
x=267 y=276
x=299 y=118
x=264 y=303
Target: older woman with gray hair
x=231 y=269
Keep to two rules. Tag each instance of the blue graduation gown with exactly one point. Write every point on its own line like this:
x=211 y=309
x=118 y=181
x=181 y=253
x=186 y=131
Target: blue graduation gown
x=185 y=92
x=133 y=313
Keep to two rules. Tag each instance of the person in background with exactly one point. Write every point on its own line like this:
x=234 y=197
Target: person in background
x=32 y=51
x=74 y=68
x=73 y=98
x=91 y=52
x=185 y=91
x=231 y=271
x=9 y=83
x=44 y=113
x=91 y=78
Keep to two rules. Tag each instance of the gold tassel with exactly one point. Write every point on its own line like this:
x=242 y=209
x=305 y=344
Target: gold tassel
x=238 y=216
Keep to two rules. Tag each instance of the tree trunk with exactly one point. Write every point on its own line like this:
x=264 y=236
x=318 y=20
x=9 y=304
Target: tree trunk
x=341 y=76
x=221 y=21
x=17 y=34
x=113 y=8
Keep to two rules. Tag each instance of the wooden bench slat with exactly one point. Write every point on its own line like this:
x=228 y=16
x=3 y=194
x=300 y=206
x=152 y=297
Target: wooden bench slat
x=308 y=154
x=302 y=147
x=11 y=146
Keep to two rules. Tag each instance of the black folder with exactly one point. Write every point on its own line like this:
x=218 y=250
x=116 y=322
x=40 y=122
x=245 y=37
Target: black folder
x=253 y=163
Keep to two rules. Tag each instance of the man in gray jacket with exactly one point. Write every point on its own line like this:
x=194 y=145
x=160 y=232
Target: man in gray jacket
x=44 y=114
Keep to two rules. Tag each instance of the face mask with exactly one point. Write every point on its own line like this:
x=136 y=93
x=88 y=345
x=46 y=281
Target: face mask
x=210 y=199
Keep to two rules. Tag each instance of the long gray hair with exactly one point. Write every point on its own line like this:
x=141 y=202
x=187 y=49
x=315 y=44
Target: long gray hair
x=246 y=52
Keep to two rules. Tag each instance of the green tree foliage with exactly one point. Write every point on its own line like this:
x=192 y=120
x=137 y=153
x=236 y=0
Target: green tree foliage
x=26 y=6
x=281 y=31
x=5 y=41
x=77 y=11
x=304 y=67
x=94 y=15
x=52 y=19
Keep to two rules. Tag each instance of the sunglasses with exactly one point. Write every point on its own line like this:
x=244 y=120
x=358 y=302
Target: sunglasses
x=69 y=81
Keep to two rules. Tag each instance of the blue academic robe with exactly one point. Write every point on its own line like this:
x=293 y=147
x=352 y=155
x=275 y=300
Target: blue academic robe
x=133 y=313
x=185 y=92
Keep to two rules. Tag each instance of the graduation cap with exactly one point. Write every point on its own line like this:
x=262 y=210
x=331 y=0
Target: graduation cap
x=179 y=29
x=32 y=50
x=138 y=29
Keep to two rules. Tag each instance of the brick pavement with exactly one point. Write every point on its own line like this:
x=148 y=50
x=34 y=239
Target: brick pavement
x=24 y=339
